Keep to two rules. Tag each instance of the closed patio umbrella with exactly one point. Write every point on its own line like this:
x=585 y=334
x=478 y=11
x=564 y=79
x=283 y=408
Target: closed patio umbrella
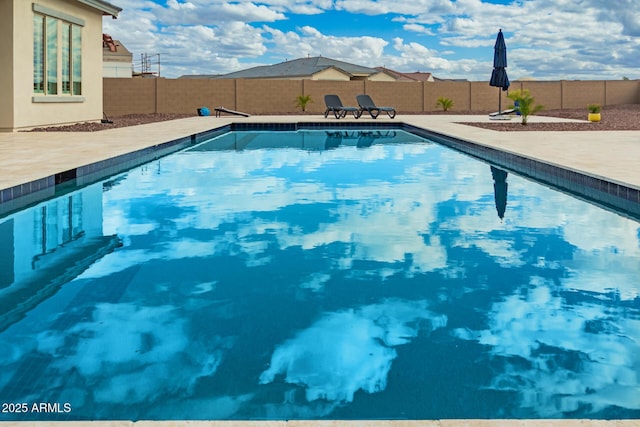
x=499 y=76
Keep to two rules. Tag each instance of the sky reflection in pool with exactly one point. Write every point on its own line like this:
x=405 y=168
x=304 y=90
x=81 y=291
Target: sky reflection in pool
x=342 y=275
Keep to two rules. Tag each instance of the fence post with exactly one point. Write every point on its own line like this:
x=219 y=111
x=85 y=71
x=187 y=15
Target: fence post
x=155 y=92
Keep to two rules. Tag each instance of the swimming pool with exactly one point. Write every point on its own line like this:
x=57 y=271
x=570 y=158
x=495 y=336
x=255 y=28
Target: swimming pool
x=336 y=274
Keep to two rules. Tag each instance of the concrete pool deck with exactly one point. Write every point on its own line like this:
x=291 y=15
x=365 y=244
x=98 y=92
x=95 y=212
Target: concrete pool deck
x=26 y=157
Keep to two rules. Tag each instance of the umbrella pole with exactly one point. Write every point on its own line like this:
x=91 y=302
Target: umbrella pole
x=499 y=103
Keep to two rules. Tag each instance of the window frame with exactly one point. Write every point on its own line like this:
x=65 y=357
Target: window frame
x=57 y=56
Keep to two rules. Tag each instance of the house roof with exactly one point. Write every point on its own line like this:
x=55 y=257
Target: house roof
x=105 y=7
x=199 y=76
x=299 y=68
x=417 y=76
x=114 y=50
x=420 y=76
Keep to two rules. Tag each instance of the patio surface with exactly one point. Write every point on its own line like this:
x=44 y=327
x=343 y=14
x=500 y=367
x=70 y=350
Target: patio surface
x=28 y=156
x=612 y=155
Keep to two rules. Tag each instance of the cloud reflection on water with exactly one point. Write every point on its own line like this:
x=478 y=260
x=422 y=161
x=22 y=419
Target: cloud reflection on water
x=560 y=357
x=131 y=354
x=352 y=350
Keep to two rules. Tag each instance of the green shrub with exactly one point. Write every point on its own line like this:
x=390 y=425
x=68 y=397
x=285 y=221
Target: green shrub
x=445 y=103
x=302 y=101
x=593 y=108
x=525 y=104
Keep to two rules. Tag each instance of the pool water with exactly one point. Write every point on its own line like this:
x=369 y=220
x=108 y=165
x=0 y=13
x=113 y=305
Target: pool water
x=318 y=275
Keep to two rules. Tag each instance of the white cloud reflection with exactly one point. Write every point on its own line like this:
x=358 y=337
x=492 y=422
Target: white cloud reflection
x=351 y=350
x=561 y=357
x=131 y=354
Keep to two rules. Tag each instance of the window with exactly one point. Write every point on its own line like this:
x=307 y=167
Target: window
x=66 y=57
x=38 y=54
x=51 y=54
x=76 y=59
x=57 y=52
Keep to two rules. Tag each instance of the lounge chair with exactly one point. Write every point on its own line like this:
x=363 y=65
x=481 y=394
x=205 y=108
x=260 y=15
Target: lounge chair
x=221 y=110
x=334 y=105
x=503 y=112
x=366 y=104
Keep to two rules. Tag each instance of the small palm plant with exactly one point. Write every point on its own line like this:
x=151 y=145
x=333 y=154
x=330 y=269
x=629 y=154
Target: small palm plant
x=525 y=104
x=594 y=108
x=302 y=101
x=445 y=103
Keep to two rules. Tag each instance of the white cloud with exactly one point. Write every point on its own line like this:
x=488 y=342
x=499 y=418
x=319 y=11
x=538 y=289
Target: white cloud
x=418 y=29
x=380 y=7
x=200 y=12
x=542 y=39
x=417 y=57
x=363 y=50
x=302 y=7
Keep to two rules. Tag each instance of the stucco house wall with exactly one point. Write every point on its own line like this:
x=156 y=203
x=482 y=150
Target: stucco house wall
x=6 y=59
x=331 y=74
x=116 y=63
x=381 y=77
x=20 y=106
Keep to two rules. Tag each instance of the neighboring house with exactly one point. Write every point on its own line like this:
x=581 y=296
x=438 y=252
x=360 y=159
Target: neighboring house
x=51 y=61
x=117 y=61
x=408 y=77
x=312 y=68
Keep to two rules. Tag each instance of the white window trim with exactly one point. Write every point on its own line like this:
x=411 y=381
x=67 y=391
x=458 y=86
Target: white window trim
x=57 y=98
x=44 y=10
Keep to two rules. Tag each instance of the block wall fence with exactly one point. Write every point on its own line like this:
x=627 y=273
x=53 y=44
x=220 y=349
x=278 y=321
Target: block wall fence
x=256 y=96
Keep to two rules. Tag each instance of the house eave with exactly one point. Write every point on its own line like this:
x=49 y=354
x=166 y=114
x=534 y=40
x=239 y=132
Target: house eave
x=105 y=7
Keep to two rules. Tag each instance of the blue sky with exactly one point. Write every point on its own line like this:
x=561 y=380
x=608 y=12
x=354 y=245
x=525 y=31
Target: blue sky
x=546 y=39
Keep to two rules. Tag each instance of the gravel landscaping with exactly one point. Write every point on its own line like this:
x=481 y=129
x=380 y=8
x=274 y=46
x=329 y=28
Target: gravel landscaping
x=615 y=117
x=116 y=122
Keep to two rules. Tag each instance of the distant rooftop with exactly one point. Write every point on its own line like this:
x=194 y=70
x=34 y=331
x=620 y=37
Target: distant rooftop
x=417 y=76
x=298 y=68
x=114 y=50
x=312 y=66
x=199 y=76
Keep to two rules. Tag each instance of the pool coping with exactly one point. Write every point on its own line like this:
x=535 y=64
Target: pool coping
x=619 y=197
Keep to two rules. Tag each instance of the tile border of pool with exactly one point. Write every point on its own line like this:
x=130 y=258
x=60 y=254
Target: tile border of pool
x=620 y=198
